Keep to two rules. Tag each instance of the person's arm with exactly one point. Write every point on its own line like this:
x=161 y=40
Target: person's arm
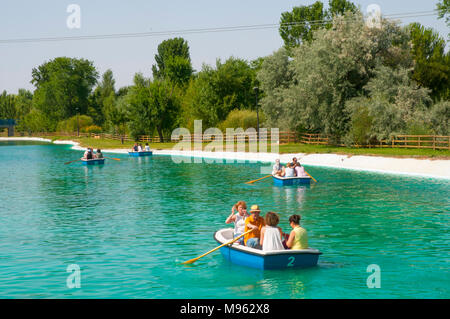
x=261 y=239
x=231 y=218
x=290 y=241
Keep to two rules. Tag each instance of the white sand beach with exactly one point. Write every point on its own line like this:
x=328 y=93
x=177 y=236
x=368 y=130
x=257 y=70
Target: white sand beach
x=386 y=165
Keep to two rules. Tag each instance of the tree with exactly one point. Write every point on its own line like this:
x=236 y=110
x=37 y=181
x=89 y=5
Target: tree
x=102 y=97
x=298 y=25
x=63 y=86
x=440 y=118
x=173 y=61
x=217 y=91
x=394 y=103
x=432 y=64
x=117 y=115
x=7 y=106
x=444 y=10
x=152 y=106
x=326 y=72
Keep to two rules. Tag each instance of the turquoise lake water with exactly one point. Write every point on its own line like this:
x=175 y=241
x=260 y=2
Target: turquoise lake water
x=130 y=223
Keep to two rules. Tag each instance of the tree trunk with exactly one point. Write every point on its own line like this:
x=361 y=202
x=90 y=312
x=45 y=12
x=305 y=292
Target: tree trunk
x=161 y=138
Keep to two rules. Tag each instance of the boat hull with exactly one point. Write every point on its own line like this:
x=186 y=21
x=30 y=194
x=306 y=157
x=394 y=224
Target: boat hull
x=255 y=258
x=138 y=154
x=285 y=181
x=97 y=161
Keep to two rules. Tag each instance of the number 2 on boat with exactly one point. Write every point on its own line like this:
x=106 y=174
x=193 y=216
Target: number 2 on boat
x=291 y=261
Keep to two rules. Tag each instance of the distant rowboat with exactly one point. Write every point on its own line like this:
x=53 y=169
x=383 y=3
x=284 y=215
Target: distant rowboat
x=284 y=181
x=143 y=153
x=256 y=258
x=95 y=161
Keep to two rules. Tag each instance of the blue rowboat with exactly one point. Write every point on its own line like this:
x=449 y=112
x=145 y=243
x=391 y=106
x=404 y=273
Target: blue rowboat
x=284 y=181
x=95 y=161
x=143 y=153
x=256 y=258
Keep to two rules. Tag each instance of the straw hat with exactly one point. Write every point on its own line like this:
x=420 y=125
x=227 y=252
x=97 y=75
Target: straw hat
x=255 y=208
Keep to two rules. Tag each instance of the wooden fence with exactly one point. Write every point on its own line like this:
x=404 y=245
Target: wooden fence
x=434 y=142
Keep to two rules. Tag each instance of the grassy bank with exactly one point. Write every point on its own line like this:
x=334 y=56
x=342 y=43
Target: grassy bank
x=283 y=149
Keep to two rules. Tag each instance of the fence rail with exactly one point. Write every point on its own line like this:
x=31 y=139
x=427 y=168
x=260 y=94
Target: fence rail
x=434 y=142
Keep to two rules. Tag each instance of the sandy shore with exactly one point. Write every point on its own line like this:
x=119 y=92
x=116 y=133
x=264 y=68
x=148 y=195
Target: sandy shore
x=387 y=165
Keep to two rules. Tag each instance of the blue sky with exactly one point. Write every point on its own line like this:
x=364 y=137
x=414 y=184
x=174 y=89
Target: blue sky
x=47 y=18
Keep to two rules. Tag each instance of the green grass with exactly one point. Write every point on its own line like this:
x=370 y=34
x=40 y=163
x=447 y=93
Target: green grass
x=388 y=152
x=283 y=149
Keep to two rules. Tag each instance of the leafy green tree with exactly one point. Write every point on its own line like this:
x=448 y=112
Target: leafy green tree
x=63 y=86
x=275 y=76
x=326 y=72
x=394 y=104
x=217 y=91
x=173 y=61
x=297 y=26
x=102 y=97
x=7 y=106
x=432 y=63
x=117 y=115
x=152 y=106
x=444 y=10
x=23 y=103
x=440 y=118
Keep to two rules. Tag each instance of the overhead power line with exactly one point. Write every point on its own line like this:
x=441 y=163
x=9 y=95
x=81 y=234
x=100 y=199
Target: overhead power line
x=201 y=30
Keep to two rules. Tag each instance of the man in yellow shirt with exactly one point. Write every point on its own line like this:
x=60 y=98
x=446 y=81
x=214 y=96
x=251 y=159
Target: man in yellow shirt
x=255 y=222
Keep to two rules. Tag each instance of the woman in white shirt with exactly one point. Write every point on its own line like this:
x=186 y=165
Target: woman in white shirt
x=271 y=234
x=238 y=219
x=289 y=171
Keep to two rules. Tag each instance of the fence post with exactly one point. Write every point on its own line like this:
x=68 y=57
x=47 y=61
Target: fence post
x=434 y=142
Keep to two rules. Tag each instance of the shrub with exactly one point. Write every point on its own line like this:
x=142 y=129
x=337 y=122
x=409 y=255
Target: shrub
x=71 y=124
x=92 y=129
x=241 y=119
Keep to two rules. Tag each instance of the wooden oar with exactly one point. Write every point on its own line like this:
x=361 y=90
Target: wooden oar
x=72 y=161
x=251 y=182
x=116 y=159
x=311 y=176
x=191 y=261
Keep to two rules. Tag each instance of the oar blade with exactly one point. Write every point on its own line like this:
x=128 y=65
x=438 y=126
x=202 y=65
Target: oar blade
x=191 y=261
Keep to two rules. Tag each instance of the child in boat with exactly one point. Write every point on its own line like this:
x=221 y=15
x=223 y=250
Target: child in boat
x=238 y=219
x=298 y=239
x=255 y=222
x=147 y=148
x=135 y=148
x=271 y=234
x=139 y=147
